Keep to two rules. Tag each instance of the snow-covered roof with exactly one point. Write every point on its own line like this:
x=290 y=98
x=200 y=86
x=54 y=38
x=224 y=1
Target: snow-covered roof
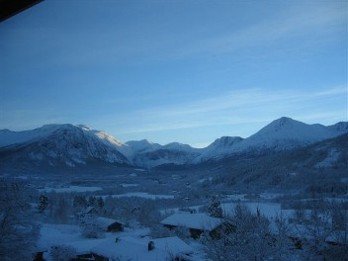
x=136 y=249
x=197 y=221
x=104 y=222
x=173 y=245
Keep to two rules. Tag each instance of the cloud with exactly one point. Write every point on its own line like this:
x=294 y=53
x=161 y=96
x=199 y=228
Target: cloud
x=341 y=89
x=238 y=107
x=239 y=99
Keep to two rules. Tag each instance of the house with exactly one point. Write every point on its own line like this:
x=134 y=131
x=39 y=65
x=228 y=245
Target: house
x=173 y=245
x=131 y=248
x=196 y=223
x=89 y=256
x=109 y=224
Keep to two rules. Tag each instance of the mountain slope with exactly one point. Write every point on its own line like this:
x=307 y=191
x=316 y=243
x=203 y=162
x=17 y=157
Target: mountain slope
x=134 y=147
x=172 y=153
x=218 y=149
x=320 y=164
x=8 y=137
x=64 y=145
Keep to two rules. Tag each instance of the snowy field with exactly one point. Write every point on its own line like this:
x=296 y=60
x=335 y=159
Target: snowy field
x=270 y=210
x=125 y=185
x=132 y=244
x=77 y=189
x=140 y=195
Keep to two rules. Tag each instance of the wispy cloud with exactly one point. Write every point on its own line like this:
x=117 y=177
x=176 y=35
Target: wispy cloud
x=241 y=107
x=241 y=99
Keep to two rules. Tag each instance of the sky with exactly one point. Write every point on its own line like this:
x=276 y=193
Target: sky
x=187 y=71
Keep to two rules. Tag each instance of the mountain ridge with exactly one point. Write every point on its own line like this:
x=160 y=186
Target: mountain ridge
x=83 y=143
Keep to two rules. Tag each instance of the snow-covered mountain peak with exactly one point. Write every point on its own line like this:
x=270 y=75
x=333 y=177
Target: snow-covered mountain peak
x=283 y=123
x=178 y=146
x=63 y=144
x=84 y=127
x=105 y=137
x=286 y=133
x=142 y=145
x=54 y=127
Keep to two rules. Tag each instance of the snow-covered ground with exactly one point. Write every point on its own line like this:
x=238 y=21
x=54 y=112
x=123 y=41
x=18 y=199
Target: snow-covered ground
x=56 y=234
x=141 y=195
x=328 y=199
x=236 y=197
x=132 y=244
x=126 y=185
x=71 y=189
x=140 y=169
x=268 y=209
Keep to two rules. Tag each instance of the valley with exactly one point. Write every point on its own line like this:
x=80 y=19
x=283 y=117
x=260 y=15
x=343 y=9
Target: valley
x=74 y=177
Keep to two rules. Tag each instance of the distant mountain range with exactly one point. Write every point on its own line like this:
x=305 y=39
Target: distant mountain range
x=72 y=146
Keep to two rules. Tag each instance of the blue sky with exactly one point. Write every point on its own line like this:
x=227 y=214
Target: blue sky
x=187 y=71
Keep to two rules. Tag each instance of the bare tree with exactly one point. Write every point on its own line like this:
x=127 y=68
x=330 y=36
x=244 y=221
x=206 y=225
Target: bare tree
x=18 y=232
x=214 y=208
x=250 y=240
x=282 y=242
x=339 y=216
x=89 y=226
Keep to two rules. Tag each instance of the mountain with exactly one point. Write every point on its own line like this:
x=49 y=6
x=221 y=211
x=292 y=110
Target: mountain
x=172 y=153
x=69 y=145
x=218 y=149
x=281 y=134
x=286 y=133
x=60 y=145
x=147 y=154
x=135 y=147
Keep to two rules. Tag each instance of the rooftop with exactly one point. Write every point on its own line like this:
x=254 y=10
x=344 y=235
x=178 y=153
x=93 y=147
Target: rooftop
x=197 y=221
